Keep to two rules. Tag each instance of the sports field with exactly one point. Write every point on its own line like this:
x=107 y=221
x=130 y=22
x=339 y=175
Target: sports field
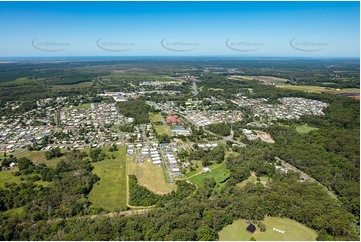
x=110 y=192
x=293 y=231
x=150 y=176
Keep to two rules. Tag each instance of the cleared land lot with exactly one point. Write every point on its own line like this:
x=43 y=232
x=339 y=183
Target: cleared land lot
x=83 y=106
x=219 y=172
x=110 y=192
x=150 y=176
x=318 y=89
x=293 y=231
x=156 y=119
x=304 y=129
x=253 y=179
x=39 y=157
x=264 y=79
x=8 y=177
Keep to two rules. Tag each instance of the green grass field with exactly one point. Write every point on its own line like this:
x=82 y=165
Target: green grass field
x=294 y=231
x=38 y=157
x=8 y=177
x=319 y=89
x=150 y=176
x=18 y=82
x=110 y=192
x=83 y=106
x=219 y=172
x=78 y=85
x=304 y=129
x=162 y=129
x=253 y=179
x=155 y=117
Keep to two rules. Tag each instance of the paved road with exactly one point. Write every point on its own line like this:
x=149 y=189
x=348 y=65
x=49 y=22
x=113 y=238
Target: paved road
x=166 y=165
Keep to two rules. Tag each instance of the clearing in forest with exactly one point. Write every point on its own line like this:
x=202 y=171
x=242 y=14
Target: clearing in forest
x=293 y=231
x=111 y=190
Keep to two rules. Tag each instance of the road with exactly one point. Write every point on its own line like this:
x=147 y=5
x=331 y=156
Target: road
x=166 y=165
x=305 y=176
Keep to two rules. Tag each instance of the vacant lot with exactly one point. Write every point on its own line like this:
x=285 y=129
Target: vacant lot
x=38 y=157
x=83 y=106
x=304 y=129
x=292 y=231
x=78 y=85
x=162 y=129
x=264 y=79
x=155 y=117
x=110 y=192
x=253 y=179
x=150 y=176
x=318 y=89
x=18 y=82
x=219 y=172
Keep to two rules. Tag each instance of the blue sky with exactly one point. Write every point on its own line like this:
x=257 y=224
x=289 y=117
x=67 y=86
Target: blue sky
x=299 y=29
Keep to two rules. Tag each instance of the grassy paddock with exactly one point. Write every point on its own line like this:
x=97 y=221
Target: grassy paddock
x=162 y=129
x=38 y=157
x=110 y=192
x=155 y=117
x=319 y=89
x=253 y=179
x=304 y=129
x=83 y=106
x=150 y=176
x=294 y=231
x=219 y=172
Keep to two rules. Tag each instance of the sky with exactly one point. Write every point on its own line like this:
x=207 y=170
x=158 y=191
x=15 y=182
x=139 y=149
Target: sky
x=285 y=29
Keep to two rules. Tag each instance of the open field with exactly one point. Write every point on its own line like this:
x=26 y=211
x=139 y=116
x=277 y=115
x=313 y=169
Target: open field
x=83 y=106
x=78 y=85
x=318 y=89
x=39 y=157
x=155 y=117
x=219 y=172
x=253 y=179
x=162 y=129
x=150 y=176
x=304 y=129
x=18 y=82
x=264 y=79
x=293 y=231
x=110 y=192
x=8 y=177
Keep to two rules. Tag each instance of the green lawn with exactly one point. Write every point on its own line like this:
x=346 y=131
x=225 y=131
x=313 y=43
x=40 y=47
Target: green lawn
x=18 y=82
x=150 y=176
x=110 y=192
x=162 y=129
x=294 y=231
x=8 y=177
x=304 y=129
x=155 y=117
x=319 y=89
x=219 y=172
x=253 y=179
x=83 y=106
x=38 y=157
